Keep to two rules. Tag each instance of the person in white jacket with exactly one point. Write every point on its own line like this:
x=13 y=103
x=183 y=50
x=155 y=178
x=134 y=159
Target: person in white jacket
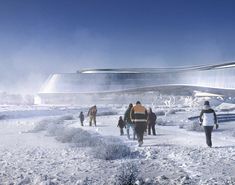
x=208 y=119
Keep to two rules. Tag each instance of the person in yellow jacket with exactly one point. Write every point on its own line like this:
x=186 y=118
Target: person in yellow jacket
x=139 y=116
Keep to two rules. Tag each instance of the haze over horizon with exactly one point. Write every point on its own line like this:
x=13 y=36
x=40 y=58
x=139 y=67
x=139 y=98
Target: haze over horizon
x=41 y=37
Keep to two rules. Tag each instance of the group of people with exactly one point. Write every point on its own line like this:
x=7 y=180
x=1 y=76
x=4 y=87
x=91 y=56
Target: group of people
x=91 y=114
x=139 y=120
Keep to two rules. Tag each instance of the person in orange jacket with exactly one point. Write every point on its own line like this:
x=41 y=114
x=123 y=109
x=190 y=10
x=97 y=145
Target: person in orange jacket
x=139 y=118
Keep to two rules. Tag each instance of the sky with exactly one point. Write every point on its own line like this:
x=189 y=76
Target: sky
x=41 y=37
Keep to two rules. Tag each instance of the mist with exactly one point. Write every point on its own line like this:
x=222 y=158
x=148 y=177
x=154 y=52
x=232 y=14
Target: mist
x=26 y=64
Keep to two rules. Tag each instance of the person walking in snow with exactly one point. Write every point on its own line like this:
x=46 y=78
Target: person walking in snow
x=208 y=119
x=121 y=125
x=151 y=122
x=129 y=123
x=92 y=114
x=81 y=116
x=139 y=117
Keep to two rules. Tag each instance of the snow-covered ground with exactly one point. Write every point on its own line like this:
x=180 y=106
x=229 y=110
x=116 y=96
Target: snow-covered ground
x=47 y=145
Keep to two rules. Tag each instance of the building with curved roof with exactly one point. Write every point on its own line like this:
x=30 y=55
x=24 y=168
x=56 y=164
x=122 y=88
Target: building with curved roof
x=112 y=84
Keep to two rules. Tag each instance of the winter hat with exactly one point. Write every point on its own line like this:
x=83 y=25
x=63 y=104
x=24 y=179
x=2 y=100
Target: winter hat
x=206 y=103
x=138 y=102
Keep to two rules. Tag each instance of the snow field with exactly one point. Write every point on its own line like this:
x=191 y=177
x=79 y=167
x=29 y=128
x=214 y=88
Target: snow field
x=57 y=150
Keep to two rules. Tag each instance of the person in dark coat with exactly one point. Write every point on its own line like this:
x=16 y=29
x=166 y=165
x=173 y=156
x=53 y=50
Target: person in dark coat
x=81 y=116
x=121 y=125
x=208 y=119
x=128 y=122
x=139 y=117
x=151 y=122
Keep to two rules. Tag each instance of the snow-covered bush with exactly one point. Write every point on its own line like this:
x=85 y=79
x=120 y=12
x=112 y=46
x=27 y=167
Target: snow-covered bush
x=77 y=136
x=42 y=125
x=50 y=124
x=55 y=129
x=194 y=126
x=170 y=101
x=111 y=150
x=65 y=135
x=80 y=137
x=103 y=148
x=128 y=174
x=107 y=148
x=189 y=101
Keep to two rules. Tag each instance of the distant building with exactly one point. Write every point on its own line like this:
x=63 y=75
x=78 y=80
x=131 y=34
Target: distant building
x=112 y=85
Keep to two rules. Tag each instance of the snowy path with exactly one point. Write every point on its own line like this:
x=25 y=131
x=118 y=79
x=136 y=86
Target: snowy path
x=175 y=136
x=166 y=135
x=180 y=155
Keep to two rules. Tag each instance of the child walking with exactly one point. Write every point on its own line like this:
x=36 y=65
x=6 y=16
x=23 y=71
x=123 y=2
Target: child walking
x=121 y=125
x=81 y=116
